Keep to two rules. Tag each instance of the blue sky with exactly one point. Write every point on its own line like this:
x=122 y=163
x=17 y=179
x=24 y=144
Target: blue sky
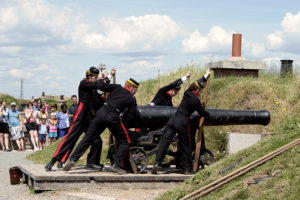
x=50 y=44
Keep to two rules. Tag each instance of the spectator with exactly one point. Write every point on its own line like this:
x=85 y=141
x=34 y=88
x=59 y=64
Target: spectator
x=43 y=114
x=4 y=128
x=30 y=115
x=63 y=121
x=34 y=105
x=73 y=108
x=52 y=128
x=47 y=107
x=53 y=109
x=39 y=102
x=16 y=124
x=43 y=131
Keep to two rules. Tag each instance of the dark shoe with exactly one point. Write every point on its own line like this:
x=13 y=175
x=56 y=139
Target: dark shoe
x=189 y=172
x=117 y=169
x=49 y=166
x=94 y=166
x=69 y=165
x=59 y=165
x=157 y=167
x=8 y=150
x=165 y=165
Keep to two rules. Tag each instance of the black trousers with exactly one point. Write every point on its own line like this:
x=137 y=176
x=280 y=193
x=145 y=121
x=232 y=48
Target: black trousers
x=106 y=117
x=178 y=123
x=78 y=126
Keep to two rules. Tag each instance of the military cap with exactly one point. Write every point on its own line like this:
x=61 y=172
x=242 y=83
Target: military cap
x=133 y=82
x=93 y=71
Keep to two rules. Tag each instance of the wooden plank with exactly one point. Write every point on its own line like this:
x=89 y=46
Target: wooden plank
x=58 y=179
x=132 y=163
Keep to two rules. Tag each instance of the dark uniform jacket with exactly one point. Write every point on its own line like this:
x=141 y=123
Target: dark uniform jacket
x=162 y=98
x=87 y=92
x=120 y=99
x=189 y=103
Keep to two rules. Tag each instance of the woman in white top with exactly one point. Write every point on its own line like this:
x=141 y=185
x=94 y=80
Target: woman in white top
x=30 y=124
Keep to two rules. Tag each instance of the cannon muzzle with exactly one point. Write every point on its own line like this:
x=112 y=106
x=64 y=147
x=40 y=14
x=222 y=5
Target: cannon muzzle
x=158 y=116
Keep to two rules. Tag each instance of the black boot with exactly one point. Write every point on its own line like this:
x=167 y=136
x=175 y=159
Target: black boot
x=69 y=165
x=49 y=166
x=94 y=167
x=165 y=165
x=157 y=167
x=59 y=165
x=117 y=169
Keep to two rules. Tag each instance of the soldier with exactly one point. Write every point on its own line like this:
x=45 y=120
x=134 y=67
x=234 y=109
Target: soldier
x=89 y=102
x=164 y=95
x=180 y=123
x=120 y=100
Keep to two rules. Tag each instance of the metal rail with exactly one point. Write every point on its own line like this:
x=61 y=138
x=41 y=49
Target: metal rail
x=222 y=181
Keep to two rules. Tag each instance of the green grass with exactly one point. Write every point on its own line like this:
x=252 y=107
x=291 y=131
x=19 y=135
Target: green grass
x=283 y=186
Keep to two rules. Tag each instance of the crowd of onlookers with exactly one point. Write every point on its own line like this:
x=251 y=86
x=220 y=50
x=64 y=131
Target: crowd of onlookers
x=42 y=121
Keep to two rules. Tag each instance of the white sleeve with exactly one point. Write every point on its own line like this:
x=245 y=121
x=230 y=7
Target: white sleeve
x=109 y=76
x=183 y=79
x=206 y=76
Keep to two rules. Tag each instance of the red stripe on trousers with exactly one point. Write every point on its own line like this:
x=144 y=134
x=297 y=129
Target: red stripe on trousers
x=127 y=136
x=71 y=127
x=65 y=156
x=128 y=140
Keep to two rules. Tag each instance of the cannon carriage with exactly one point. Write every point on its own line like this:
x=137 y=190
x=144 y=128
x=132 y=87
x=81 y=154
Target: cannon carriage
x=149 y=129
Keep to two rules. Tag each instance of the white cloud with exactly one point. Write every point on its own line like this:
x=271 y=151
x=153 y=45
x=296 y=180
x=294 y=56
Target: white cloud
x=133 y=33
x=8 y=18
x=287 y=38
x=216 y=40
x=253 y=49
x=17 y=73
x=9 y=50
x=37 y=23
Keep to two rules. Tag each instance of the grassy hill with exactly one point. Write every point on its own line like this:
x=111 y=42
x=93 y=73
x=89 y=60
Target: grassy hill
x=280 y=96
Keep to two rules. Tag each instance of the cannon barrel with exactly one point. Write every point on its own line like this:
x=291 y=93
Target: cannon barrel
x=158 y=116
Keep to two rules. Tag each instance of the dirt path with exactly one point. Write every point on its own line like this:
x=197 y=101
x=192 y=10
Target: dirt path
x=21 y=191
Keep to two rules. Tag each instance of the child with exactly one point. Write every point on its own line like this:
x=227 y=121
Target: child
x=52 y=128
x=43 y=133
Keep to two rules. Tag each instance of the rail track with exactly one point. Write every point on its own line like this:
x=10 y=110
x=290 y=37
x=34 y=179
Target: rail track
x=222 y=181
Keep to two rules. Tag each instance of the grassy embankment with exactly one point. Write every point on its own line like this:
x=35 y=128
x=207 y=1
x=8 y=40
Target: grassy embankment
x=277 y=95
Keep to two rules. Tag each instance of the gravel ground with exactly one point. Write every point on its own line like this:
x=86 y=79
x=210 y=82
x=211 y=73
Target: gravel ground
x=21 y=191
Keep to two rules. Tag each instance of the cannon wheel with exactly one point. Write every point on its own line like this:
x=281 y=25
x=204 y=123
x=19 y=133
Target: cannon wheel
x=140 y=158
x=206 y=158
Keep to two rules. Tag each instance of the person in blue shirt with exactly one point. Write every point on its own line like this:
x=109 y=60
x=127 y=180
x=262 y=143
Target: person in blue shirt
x=63 y=121
x=16 y=124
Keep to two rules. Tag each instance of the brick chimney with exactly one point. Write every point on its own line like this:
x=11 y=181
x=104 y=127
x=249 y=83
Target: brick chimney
x=236 y=45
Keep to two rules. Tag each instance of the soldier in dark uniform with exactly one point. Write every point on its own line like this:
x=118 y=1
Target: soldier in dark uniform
x=89 y=102
x=180 y=123
x=108 y=116
x=164 y=95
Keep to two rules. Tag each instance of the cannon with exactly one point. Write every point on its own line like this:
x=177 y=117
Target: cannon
x=153 y=119
x=158 y=116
